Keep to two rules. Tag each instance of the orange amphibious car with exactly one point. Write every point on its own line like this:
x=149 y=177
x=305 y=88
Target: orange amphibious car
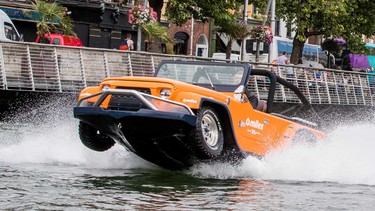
x=189 y=112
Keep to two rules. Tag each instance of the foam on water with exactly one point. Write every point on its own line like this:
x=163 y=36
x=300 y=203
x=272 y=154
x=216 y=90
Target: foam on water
x=61 y=145
x=347 y=156
x=50 y=137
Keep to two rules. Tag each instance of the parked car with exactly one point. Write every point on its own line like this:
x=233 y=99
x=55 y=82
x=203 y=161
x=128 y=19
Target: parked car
x=7 y=29
x=190 y=112
x=59 y=39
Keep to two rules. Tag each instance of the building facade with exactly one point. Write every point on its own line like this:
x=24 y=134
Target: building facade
x=99 y=24
x=104 y=23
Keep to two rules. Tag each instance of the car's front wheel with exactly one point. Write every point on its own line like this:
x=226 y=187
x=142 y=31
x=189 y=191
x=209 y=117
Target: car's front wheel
x=208 y=135
x=92 y=139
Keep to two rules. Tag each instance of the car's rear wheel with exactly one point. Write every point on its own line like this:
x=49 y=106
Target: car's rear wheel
x=92 y=139
x=208 y=135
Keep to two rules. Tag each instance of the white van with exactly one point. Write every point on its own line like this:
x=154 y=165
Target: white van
x=7 y=29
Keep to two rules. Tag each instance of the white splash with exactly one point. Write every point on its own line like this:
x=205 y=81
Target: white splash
x=347 y=156
x=58 y=143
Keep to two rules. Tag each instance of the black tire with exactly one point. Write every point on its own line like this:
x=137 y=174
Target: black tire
x=304 y=137
x=208 y=135
x=92 y=139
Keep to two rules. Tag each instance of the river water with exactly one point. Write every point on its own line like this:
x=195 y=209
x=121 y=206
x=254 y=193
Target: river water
x=43 y=166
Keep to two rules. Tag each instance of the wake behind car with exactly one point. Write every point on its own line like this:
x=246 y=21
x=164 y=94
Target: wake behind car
x=189 y=112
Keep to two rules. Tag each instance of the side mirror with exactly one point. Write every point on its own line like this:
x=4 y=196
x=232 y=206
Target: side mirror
x=238 y=94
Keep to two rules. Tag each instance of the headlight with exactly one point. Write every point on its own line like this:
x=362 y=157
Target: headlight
x=105 y=88
x=165 y=93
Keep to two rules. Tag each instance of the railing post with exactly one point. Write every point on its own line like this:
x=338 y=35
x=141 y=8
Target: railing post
x=57 y=68
x=256 y=86
x=363 y=94
x=82 y=68
x=281 y=87
x=130 y=65
x=346 y=88
x=2 y=66
x=336 y=87
x=354 y=94
x=30 y=67
x=106 y=64
x=153 y=64
x=327 y=86
x=371 y=87
x=318 y=86
x=307 y=84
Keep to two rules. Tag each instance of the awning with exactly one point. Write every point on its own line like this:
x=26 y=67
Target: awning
x=284 y=46
x=371 y=61
x=19 y=14
x=235 y=46
x=370 y=45
x=359 y=61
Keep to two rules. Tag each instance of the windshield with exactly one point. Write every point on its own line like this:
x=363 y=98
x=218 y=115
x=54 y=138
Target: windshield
x=10 y=32
x=203 y=73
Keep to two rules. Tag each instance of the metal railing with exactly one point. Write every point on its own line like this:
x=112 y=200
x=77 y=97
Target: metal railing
x=46 y=68
x=320 y=86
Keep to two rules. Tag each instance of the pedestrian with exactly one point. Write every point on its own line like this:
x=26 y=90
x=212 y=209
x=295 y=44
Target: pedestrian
x=7 y=33
x=129 y=41
x=283 y=59
x=127 y=44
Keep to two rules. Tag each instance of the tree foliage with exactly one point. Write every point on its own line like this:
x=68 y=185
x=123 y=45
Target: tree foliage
x=146 y=18
x=179 y=11
x=349 y=19
x=51 y=18
x=235 y=32
x=153 y=30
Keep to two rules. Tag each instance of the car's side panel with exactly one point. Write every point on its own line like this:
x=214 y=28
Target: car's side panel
x=259 y=132
x=250 y=127
x=188 y=98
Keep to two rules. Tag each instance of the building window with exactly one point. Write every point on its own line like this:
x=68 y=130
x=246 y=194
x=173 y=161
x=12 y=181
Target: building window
x=181 y=43
x=277 y=27
x=202 y=47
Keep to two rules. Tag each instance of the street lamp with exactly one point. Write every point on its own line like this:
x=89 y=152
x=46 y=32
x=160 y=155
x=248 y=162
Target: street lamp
x=245 y=22
x=139 y=37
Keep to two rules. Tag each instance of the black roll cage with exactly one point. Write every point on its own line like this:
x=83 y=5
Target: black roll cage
x=274 y=79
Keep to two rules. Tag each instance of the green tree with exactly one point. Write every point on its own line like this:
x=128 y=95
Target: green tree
x=349 y=19
x=51 y=18
x=146 y=19
x=234 y=31
x=179 y=11
x=153 y=30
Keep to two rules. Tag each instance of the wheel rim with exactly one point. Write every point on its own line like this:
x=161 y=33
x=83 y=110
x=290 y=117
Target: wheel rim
x=210 y=130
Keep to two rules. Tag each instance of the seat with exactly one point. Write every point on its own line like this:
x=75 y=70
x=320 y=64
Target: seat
x=260 y=105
